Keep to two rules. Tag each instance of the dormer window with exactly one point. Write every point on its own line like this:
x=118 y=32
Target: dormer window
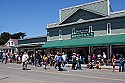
x=60 y=34
x=90 y=29
x=108 y=28
x=48 y=36
x=73 y=31
x=8 y=43
x=12 y=43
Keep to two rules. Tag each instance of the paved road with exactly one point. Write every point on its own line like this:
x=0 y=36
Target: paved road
x=13 y=73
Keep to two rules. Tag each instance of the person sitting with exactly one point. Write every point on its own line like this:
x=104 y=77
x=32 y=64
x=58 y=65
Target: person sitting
x=98 y=65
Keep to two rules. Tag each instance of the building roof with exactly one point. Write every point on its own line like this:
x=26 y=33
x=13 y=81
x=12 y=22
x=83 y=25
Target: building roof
x=100 y=7
x=9 y=47
x=14 y=40
x=112 y=15
x=6 y=47
x=34 y=37
x=30 y=44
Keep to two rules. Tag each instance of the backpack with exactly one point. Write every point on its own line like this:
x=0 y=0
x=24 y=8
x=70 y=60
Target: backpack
x=59 y=59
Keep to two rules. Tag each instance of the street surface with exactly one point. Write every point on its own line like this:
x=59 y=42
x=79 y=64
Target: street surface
x=13 y=73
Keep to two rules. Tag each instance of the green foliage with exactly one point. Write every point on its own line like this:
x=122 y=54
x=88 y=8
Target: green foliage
x=5 y=36
x=19 y=35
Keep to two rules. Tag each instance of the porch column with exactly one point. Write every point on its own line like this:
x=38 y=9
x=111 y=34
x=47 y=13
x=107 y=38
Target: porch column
x=89 y=49
x=110 y=51
x=74 y=50
x=92 y=49
x=60 y=50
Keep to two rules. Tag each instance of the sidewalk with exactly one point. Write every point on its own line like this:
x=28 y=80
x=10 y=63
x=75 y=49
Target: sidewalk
x=102 y=67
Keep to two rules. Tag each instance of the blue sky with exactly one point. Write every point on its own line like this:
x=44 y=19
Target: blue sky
x=32 y=16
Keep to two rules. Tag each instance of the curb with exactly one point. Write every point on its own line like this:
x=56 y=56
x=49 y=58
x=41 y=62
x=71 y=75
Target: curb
x=102 y=67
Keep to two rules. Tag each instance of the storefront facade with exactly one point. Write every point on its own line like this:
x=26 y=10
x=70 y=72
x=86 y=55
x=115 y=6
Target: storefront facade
x=88 y=28
x=30 y=45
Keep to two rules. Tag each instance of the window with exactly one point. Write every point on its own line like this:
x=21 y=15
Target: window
x=73 y=31
x=8 y=43
x=60 y=34
x=90 y=29
x=12 y=43
x=48 y=36
x=108 y=28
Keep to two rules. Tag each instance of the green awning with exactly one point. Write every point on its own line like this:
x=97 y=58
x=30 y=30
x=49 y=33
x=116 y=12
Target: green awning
x=93 y=41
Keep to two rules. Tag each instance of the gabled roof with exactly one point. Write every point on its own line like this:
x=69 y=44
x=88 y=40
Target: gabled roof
x=112 y=15
x=34 y=37
x=100 y=7
x=14 y=40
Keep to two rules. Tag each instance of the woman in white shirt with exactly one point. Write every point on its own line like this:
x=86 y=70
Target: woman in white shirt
x=25 y=58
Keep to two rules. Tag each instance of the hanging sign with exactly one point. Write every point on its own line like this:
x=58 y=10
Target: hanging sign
x=80 y=33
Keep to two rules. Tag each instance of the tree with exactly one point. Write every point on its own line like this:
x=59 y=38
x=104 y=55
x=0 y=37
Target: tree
x=22 y=35
x=5 y=36
x=1 y=41
x=19 y=35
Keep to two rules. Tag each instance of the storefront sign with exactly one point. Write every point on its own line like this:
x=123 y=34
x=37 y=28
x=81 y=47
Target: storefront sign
x=82 y=33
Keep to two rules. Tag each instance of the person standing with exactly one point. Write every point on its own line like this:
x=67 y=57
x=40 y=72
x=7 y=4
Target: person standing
x=113 y=63
x=104 y=57
x=83 y=59
x=37 y=59
x=60 y=59
x=64 y=60
x=121 y=65
x=74 y=61
x=25 y=58
x=78 y=61
x=32 y=59
x=4 y=58
x=56 y=61
x=94 y=58
x=45 y=61
x=99 y=57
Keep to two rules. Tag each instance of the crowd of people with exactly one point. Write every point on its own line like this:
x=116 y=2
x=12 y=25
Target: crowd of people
x=97 y=60
x=59 y=60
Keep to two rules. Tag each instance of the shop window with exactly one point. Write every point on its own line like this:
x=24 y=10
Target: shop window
x=48 y=36
x=90 y=29
x=60 y=35
x=73 y=31
x=108 y=28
